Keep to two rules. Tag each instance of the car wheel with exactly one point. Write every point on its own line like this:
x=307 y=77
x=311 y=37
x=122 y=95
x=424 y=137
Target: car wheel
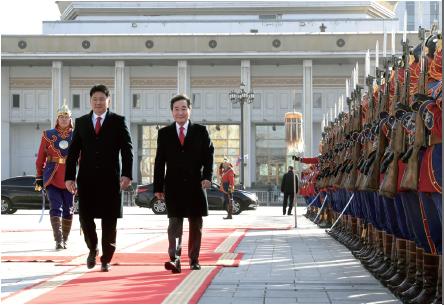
x=236 y=207
x=7 y=206
x=159 y=207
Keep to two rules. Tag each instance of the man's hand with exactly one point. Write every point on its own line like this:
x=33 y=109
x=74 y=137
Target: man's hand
x=124 y=182
x=206 y=184
x=71 y=186
x=160 y=196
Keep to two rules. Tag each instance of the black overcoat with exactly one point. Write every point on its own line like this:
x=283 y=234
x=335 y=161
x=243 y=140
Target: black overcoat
x=186 y=167
x=287 y=185
x=98 y=178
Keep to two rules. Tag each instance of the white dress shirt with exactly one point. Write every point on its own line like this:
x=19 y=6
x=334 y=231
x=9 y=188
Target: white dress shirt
x=95 y=116
x=185 y=126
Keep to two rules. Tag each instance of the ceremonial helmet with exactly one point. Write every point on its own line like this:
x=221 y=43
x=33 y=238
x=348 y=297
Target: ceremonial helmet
x=64 y=110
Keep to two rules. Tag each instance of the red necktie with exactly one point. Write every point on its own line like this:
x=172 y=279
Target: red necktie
x=97 y=128
x=181 y=135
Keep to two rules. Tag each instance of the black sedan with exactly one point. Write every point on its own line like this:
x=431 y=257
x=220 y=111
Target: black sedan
x=243 y=200
x=19 y=193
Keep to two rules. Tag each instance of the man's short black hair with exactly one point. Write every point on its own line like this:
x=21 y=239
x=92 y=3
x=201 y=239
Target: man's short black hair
x=180 y=97
x=99 y=88
x=290 y=168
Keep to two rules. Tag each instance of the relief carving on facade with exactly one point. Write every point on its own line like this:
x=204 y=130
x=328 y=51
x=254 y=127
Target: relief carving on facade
x=30 y=83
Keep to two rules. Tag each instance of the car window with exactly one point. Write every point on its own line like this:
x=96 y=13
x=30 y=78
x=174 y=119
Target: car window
x=21 y=181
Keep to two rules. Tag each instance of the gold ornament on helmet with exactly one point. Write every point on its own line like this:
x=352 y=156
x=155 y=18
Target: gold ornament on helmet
x=64 y=110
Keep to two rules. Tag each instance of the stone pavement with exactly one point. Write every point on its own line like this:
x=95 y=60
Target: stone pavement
x=302 y=265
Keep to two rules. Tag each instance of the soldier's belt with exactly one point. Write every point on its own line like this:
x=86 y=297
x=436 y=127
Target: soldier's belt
x=56 y=160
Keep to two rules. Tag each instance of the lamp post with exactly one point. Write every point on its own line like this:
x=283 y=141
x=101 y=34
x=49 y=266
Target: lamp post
x=241 y=97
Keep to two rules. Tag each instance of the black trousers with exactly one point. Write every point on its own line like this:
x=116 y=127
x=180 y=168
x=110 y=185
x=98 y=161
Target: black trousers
x=175 y=231
x=109 y=233
x=290 y=203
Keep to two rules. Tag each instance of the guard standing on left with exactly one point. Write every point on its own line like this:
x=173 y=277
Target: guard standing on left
x=50 y=165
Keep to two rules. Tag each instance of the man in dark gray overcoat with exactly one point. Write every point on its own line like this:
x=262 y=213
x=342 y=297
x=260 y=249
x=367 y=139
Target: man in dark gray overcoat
x=98 y=139
x=187 y=152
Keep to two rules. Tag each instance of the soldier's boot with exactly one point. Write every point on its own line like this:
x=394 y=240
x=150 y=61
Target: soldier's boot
x=416 y=288
x=393 y=269
x=56 y=223
x=362 y=234
x=326 y=219
x=355 y=242
x=66 y=229
x=386 y=261
x=347 y=234
x=378 y=256
x=403 y=281
x=367 y=243
x=229 y=210
x=429 y=280
x=438 y=295
x=373 y=246
x=314 y=213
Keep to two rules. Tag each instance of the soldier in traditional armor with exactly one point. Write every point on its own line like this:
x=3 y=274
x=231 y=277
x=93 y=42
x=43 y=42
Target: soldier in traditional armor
x=227 y=186
x=50 y=165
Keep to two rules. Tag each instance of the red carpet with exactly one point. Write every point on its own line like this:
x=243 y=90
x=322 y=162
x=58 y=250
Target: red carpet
x=122 y=285
x=140 y=277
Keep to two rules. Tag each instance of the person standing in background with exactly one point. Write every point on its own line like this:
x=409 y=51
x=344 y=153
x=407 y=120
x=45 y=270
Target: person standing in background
x=50 y=166
x=288 y=188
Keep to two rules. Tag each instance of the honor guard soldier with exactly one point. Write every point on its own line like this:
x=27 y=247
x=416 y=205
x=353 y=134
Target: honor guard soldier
x=50 y=165
x=227 y=186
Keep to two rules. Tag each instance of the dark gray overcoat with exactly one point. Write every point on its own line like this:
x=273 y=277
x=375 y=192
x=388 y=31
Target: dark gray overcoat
x=186 y=167
x=98 y=178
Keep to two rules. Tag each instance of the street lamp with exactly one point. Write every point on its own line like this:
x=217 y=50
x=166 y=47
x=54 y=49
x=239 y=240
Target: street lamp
x=241 y=97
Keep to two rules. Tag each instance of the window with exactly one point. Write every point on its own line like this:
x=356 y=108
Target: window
x=15 y=101
x=410 y=8
x=76 y=101
x=271 y=151
x=136 y=100
x=434 y=13
x=195 y=102
x=317 y=100
x=257 y=104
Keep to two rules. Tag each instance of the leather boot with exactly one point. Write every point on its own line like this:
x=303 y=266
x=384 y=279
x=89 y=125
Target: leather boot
x=379 y=255
x=399 y=284
x=367 y=241
x=414 y=290
x=326 y=223
x=398 y=261
x=56 y=223
x=229 y=210
x=66 y=228
x=369 y=248
x=438 y=295
x=430 y=279
x=387 y=262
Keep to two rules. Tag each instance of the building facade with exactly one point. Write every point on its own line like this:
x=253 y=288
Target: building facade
x=294 y=55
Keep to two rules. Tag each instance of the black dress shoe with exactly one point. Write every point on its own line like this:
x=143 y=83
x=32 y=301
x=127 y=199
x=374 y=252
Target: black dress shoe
x=174 y=266
x=105 y=267
x=91 y=260
x=195 y=266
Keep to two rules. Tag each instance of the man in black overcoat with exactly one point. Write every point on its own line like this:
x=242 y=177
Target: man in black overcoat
x=287 y=187
x=187 y=152
x=98 y=139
